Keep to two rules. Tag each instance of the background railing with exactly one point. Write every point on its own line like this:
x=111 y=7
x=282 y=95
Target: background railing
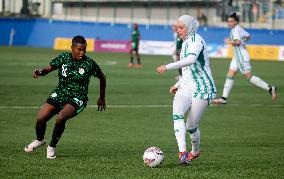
x=267 y=14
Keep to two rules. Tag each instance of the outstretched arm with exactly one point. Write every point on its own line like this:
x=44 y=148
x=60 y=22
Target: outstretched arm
x=42 y=71
x=191 y=58
x=101 y=101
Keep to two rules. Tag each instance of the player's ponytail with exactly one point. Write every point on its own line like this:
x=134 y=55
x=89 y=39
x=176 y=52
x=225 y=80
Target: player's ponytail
x=234 y=16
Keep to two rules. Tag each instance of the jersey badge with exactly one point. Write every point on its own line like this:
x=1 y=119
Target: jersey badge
x=81 y=71
x=53 y=95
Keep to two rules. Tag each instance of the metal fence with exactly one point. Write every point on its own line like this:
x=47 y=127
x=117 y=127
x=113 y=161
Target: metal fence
x=267 y=14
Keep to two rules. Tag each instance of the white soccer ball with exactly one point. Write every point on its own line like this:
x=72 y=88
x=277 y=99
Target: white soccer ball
x=153 y=157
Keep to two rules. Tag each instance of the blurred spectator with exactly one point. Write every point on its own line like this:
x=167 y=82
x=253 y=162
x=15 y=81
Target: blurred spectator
x=255 y=12
x=135 y=38
x=202 y=19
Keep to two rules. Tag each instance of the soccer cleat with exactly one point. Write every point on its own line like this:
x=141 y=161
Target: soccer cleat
x=191 y=157
x=272 y=91
x=35 y=144
x=138 y=65
x=130 y=65
x=50 y=154
x=219 y=101
x=182 y=157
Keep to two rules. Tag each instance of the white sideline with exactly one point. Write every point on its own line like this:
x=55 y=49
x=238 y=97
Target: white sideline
x=152 y=106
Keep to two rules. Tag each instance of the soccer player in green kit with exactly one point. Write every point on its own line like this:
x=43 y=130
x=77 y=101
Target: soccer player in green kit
x=177 y=48
x=69 y=98
x=135 y=38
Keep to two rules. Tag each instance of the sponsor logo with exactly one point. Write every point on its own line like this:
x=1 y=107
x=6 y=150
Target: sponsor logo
x=113 y=45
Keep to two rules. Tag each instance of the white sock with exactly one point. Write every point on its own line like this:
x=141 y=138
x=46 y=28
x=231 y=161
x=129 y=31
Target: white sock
x=180 y=131
x=227 y=87
x=195 y=141
x=259 y=82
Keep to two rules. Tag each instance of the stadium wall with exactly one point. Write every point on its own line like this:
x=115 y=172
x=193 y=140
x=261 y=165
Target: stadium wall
x=43 y=33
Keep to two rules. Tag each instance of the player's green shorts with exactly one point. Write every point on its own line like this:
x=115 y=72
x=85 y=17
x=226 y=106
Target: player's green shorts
x=134 y=45
x=58 y=100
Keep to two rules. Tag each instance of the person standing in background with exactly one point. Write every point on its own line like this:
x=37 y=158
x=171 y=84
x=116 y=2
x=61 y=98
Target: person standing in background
x=177 y=44
x=135 y=38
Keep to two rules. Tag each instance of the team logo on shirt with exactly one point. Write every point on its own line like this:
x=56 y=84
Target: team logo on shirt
x=81 y=71
x=53 y=95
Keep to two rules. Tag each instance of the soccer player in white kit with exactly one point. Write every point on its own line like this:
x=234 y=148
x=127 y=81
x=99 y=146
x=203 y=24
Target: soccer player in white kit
x=194 y=90
x=240 y=61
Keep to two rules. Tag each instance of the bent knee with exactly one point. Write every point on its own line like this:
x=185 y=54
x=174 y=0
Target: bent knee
x=41 y=119
x=60 y=121
x=63 y=117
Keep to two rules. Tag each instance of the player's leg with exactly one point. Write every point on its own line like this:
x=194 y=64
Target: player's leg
x=66 y=113
x=139 y=65
x=130 y=64
x=228 y=83
x=181 y=104
x=71 y=109
x=46 y=112
x=197 y=109
x=255 y=80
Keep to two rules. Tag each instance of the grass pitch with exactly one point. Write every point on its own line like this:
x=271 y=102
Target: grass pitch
x=243 y=139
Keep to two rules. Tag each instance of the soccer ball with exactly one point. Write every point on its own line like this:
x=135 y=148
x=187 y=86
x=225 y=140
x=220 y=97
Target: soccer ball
x=153 y=157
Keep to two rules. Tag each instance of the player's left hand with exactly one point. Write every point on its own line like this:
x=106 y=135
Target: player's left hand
x=101 y=104
x=173 y=89
x=227 y=41
x=161 y=69
x=37 y=73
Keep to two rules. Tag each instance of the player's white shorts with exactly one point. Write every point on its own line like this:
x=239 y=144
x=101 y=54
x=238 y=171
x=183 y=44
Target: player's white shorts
x=182 y=101
x=241 y=61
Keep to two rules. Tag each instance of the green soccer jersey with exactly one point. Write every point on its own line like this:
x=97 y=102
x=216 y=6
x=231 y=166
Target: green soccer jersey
x=74 y=76
x=135 y=38
x=178 y=43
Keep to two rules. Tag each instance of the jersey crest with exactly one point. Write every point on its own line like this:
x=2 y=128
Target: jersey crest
x=81 y=71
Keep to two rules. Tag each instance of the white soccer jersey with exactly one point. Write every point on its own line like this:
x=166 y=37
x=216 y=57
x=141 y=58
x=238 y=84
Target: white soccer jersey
x=196 y=72
x=238 y=33
x=241 y=57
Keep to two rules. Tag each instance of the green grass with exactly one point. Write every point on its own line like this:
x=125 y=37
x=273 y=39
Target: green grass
x=243 y=139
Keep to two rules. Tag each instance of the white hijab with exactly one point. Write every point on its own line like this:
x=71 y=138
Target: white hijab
x=191 y=24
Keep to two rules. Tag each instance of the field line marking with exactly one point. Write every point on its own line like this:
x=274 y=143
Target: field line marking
x=152 y=106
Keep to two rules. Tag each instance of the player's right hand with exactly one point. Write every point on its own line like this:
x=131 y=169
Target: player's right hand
x=161 y=69
x=36 y=73
x=101 y=104
x=173 y=89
